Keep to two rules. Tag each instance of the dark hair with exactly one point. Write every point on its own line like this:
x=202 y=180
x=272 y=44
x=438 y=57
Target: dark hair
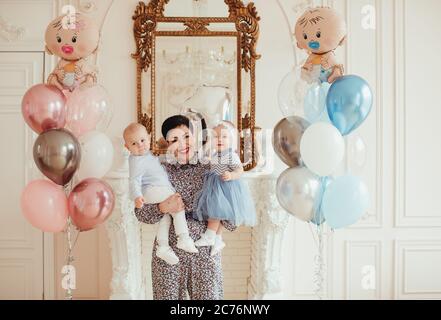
x=179 y=120
x=172 y=123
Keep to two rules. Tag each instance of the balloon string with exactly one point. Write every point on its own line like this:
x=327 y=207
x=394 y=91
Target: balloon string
x=319 y=269
x=70 y=259
x=70 y=246
x=313 y=234
x=318 y=215
x=319 y=261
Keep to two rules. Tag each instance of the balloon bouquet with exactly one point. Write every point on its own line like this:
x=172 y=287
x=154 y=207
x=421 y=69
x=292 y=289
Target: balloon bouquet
x=68 y=113
x=334 y=105
x=313 y=147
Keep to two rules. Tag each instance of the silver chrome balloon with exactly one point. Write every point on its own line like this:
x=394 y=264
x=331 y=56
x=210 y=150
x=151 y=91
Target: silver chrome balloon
x=57 y=155
x=297 y=191
x=286 y=140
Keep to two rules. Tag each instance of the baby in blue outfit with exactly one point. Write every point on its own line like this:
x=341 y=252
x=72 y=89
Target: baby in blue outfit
x=149 y=183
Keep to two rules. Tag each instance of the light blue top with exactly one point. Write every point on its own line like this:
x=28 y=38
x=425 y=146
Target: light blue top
x=146 y=171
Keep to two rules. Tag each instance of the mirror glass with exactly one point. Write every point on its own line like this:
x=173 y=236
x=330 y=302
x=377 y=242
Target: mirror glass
x=196 y=74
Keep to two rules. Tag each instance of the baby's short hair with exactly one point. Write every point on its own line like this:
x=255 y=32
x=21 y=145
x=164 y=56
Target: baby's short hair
x=226 y=124
x=132 y=128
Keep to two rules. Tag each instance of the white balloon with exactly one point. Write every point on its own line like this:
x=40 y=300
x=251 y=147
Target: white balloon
x=322 y=148
x=96 y=155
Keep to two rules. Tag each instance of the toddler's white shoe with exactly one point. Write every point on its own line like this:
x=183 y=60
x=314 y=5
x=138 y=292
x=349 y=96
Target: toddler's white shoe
x=219 y=244
x=205 y=241
x=187 y=244
x=166 y=253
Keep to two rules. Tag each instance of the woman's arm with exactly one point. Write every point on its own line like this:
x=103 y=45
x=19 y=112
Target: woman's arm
x=151 y=213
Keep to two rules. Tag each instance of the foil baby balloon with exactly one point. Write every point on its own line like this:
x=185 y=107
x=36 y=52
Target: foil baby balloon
x=320 y=31
x=73 y=38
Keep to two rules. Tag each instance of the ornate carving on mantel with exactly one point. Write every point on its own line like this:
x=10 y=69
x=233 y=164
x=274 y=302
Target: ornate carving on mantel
x=267 y=239
x=9 y=32
x=124 y=232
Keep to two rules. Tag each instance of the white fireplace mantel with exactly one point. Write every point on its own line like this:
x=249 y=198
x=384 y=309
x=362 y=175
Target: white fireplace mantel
x=124 y=232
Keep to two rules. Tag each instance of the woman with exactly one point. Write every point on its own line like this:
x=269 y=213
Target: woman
x=197 y=274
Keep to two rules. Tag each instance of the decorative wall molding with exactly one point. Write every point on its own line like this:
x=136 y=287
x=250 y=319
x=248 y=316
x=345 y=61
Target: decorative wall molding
x=403 y=250
x=350 y=244
x=10 y=32
x=266 y=277
x=402 y=216
x=374 y=217
x=21 y=248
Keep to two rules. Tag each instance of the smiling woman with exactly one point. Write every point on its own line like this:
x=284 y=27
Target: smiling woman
x=180 y=139
x=198 y=274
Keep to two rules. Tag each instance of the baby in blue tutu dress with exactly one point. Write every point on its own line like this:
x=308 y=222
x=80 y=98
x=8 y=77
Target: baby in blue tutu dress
x=224 y=195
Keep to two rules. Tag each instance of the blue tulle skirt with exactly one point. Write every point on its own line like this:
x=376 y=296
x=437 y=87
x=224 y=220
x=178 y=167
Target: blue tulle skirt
x=225 y=200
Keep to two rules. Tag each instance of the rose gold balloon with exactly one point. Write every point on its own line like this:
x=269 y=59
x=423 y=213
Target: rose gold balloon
x=44 y=205
x=90 y=203
x=44 y=107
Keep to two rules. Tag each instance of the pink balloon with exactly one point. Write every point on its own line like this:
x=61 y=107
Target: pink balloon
x=88 y=109
x=44 y=107
x=90 y=203
x=44 y=205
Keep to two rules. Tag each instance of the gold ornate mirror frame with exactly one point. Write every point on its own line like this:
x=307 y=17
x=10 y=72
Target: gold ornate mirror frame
x=246 y=21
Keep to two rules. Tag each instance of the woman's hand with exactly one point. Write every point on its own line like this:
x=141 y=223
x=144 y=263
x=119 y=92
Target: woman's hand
x=172 y=204
x=139 y=202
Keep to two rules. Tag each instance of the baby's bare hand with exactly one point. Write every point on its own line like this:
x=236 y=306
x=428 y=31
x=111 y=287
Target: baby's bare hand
x=139 y=202
x=227 y=176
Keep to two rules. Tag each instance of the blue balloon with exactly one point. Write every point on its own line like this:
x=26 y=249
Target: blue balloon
x=349 y=102
x=345 y=200
x=315 y=103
